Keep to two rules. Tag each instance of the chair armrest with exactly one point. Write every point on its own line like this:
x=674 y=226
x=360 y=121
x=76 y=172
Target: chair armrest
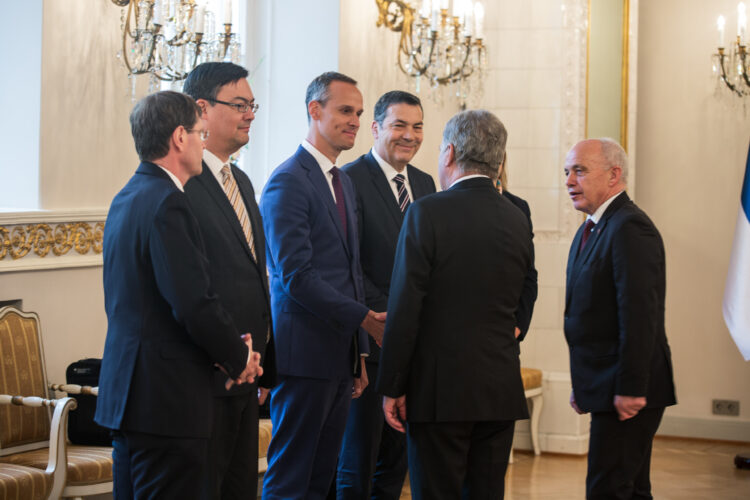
x=75 y=389
x=57 y=464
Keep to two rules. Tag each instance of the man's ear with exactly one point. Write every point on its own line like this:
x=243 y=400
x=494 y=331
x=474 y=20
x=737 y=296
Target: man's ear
x=313 y=108
x=615 y=174
x=375 y=130
x=179 y=138
x=203 y=104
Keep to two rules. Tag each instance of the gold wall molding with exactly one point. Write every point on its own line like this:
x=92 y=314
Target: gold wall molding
x=50 y=240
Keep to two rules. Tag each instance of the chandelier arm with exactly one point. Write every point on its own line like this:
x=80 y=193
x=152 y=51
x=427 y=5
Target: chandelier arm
x=743 y=56
x=125 y=34
x=724 y=74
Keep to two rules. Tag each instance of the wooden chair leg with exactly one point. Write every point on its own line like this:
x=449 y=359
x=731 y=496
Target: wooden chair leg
x=536 y=411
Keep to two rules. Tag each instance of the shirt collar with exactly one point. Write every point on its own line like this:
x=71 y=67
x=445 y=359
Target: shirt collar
x=388 y=170
x=173 y=177
x=323 y=162
x=466 y=178
x=213 y=162
x=596 y=216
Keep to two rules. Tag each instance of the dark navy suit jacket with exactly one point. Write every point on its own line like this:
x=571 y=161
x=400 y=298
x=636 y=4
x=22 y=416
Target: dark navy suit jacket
x=317 y=295
x=240 y=282
x=166 y=326
x=450 y=343
x=614 y=312
x=379 y=221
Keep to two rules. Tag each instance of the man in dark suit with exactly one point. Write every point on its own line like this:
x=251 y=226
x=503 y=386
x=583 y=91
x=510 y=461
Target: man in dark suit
x=620 y=361
x=223 y=201
x=530 y=285
x=317 y=296
x=449 y=365
x=372 y=461
x=166 y=326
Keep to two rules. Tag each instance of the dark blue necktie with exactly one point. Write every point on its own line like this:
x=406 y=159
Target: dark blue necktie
x=339 y=193
x=403 y=194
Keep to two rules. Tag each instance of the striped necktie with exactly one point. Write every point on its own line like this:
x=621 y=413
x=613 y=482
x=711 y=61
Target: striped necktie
x=403 y=194
x=238 y=204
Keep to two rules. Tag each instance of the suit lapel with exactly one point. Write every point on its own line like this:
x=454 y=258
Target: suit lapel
x=214 y=189
x=384 y=189
x=248 y=196
x=320 y=184
x=598 y=234
x=419 y=187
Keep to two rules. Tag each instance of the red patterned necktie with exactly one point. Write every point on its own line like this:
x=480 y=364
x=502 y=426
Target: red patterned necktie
x=339 y=192
x=587 y=229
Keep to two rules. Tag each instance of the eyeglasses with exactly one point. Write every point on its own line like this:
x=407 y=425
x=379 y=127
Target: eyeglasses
x=242 y=108
x=203 y=133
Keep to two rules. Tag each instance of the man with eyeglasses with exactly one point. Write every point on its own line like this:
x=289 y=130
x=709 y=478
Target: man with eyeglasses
x=166 y=328
x=223 y=201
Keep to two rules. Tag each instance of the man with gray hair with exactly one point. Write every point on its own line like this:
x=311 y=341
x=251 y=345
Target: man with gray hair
x=620 y=361
x=449 y=366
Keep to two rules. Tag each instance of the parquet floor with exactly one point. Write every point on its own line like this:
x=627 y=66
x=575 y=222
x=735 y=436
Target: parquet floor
x=681 y=469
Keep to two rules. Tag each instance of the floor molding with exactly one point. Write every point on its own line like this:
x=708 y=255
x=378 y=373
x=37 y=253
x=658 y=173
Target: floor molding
x=704 y=428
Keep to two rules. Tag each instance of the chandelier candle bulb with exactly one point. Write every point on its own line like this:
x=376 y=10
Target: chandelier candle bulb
x=426 y=9
x=199 y=20
x=156 y=19
x=741 y=22
x=479 y=20
x=227 y=11
x=720 y=24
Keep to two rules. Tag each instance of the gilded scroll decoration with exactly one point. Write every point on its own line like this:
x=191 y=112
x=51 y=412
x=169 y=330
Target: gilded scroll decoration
x=40 y=239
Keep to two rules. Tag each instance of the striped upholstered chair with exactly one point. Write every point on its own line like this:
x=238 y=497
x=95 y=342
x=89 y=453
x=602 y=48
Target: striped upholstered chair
x=24 y=435
x=20 y=481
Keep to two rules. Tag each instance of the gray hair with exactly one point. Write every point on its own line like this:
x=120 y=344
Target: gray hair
x=478 y=138
x=614 y=155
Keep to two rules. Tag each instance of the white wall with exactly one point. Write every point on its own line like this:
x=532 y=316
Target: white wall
x=691 y=157
x=21 y=49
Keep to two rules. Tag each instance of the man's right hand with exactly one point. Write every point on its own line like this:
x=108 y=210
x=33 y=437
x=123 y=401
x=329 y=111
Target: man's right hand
x=252 y=369
x=574 y=405
x=394 y=410
x=374 y=324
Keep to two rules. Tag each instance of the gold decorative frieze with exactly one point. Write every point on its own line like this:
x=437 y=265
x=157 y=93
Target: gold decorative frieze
x=40 y=239
x=51 y=239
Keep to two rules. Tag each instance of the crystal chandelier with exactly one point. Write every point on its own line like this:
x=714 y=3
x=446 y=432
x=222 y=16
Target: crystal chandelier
x=438 y=49
x=165 y=39
x=731 y=68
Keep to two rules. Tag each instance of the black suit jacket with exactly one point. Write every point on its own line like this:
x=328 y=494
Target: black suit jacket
x=530 y=286
x=379 y=221
x=614 y=312
x=166 y=326
x=239 y=281
x=449 y=340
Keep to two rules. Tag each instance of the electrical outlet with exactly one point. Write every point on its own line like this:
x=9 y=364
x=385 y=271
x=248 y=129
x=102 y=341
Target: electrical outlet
x=725 y=407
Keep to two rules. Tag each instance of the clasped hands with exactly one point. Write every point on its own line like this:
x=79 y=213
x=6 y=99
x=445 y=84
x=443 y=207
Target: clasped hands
x=374 y=324
x=626 y=406
x=252 y=369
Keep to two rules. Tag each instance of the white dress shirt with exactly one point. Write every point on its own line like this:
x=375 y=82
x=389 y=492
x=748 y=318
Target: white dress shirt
x=323 y=162
x=390 y=173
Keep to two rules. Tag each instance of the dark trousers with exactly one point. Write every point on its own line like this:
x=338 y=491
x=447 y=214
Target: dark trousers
x=233 y=447
x=459 y=459
x=148 y=466
x=619 y=459
x=308 y=417
x=372 y=461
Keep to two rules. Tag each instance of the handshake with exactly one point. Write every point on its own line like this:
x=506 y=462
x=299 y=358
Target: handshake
x=252 y=369
x=374 y=324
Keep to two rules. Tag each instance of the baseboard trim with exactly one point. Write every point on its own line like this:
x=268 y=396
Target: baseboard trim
x=553 y=443
x=704 y=428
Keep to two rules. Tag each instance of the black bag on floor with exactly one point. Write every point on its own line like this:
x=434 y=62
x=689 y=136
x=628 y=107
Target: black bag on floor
x=81 y=426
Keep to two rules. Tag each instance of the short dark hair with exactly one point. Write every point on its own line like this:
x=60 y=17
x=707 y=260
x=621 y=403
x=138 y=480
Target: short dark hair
x=394 y=97
x=318 y=88
x=205 y=80
x=478 y=138
x=155 y=117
